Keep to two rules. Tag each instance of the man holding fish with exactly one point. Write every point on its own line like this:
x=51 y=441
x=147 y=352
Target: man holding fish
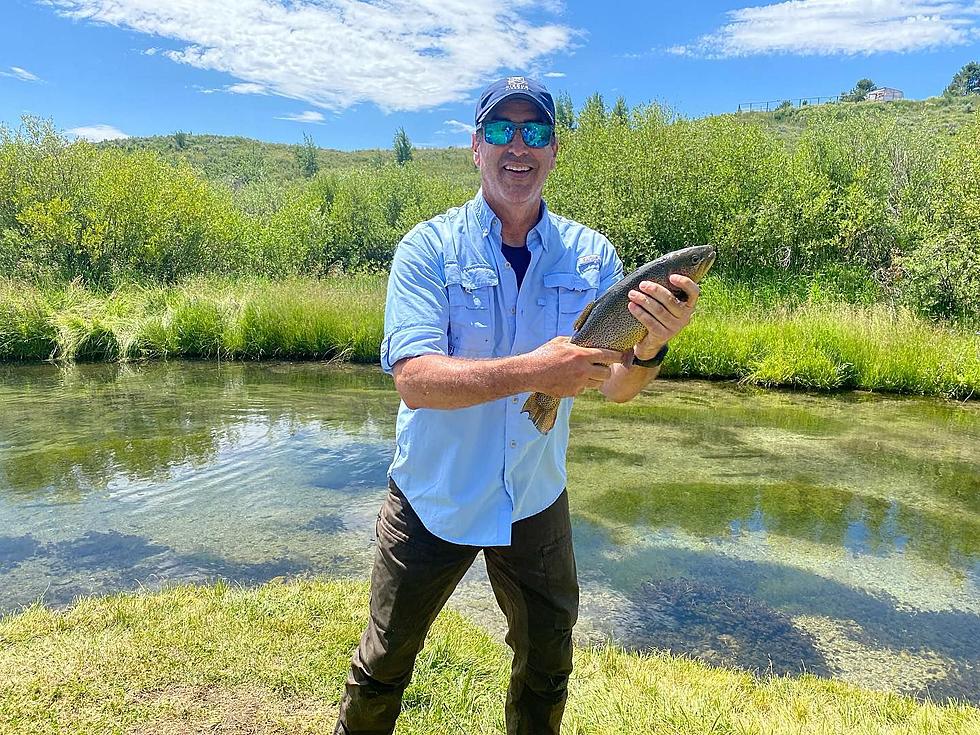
x=482 y=302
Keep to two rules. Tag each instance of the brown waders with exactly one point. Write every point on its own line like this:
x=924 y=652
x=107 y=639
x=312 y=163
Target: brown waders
x=415 y=572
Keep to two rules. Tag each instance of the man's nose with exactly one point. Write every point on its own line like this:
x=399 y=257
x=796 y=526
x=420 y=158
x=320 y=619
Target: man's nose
x=517 y=145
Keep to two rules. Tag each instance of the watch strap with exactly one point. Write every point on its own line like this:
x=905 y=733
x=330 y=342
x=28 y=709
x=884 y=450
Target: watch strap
x=653 y=361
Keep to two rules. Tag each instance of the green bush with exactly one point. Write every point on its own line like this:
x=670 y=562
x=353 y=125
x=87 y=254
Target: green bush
x=890 y=208
x=351 y=220
x=69 y=210
x=943 y=275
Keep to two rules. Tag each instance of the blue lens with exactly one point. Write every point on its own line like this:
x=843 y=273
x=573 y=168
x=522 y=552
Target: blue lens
x=501 y=132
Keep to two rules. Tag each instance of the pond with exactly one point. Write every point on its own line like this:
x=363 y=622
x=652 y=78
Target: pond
x=763 y=530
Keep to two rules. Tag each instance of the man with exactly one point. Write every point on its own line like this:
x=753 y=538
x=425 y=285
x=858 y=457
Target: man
x=481 y=301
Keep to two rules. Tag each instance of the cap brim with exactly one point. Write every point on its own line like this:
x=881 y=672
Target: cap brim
x=516 y=95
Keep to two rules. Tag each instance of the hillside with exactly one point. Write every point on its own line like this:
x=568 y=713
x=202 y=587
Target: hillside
x=939 y=115
x=237 y=161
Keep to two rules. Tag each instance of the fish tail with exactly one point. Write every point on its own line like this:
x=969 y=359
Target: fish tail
x=542 y=409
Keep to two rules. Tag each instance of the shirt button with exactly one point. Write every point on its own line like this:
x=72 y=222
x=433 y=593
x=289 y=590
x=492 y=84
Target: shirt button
x=507 y=265
x=513 y=310
x=514 y=399
x=513 y=443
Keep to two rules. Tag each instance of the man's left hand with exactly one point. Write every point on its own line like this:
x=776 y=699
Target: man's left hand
x=662 y=313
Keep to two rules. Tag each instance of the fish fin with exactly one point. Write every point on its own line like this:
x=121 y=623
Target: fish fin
x=542 y=409
x=583 y=316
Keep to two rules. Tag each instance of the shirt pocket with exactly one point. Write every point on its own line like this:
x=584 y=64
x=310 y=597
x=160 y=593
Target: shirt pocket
x=571 y=293
x=471 y=293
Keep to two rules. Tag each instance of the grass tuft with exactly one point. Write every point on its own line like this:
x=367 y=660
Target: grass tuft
x=807 y=336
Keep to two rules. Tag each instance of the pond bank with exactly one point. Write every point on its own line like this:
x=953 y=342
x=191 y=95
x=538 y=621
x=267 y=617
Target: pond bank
x=272 y=659
x=814 y=345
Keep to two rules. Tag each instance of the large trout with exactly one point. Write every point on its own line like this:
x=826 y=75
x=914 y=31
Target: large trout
x=608 y=323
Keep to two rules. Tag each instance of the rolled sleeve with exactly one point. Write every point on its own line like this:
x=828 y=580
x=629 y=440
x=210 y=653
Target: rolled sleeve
x=416 y=305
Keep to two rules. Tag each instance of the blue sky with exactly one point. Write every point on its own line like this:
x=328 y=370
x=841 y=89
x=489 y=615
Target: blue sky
x=349 y=72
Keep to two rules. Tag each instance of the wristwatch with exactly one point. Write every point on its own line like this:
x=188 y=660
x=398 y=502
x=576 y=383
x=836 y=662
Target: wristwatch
x=654 y=361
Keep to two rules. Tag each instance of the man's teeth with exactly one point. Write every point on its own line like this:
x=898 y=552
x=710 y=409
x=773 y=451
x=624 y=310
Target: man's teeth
x=518 y=168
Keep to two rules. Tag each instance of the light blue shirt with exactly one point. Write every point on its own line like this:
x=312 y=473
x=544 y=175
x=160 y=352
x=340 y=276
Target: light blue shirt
x=470 y=473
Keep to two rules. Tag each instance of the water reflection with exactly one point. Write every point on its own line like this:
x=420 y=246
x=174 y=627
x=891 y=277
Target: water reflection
x=761 y=530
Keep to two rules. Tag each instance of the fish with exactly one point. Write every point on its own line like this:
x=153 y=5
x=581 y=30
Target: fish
x=607 y=322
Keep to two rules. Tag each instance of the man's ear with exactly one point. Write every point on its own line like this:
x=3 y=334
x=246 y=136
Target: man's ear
x=475 y=145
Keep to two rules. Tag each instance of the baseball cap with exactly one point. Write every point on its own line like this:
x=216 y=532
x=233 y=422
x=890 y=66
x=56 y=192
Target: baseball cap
x=510 y=87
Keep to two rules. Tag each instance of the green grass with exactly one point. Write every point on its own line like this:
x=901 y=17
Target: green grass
x=273 y=660
x=823 y=343
x=767 y=334
x=941 y=116
x=241 y=319
x=236 y=161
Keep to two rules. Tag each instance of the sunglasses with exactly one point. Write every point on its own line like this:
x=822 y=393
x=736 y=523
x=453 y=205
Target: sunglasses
x=501 y=132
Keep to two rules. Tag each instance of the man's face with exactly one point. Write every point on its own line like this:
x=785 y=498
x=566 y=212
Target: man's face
x=513 y=174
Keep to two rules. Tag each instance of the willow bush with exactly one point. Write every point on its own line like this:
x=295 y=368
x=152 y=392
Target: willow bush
x=942 y=275
x=852 y=191
x=857 y=198
x=351 y=220
x=70 y=210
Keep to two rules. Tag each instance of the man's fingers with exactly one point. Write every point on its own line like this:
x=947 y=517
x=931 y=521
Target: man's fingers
x=656 y=317
x=600 y=373
x=657 y=300
x=689 y=287
x=602 y=356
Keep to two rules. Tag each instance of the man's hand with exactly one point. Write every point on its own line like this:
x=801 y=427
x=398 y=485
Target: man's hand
x=662 y=313
x=560 y=368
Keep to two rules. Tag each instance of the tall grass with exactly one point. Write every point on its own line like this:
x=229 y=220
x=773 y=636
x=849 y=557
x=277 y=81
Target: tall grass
x=800 y=334
x=242 y=319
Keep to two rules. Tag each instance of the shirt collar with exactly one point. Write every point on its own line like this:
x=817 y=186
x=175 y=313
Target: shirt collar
x=490 y=222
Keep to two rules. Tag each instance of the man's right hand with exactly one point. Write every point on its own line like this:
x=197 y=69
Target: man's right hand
x=560 y=368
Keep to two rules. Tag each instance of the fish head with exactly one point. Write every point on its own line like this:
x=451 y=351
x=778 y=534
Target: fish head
x=692 y=262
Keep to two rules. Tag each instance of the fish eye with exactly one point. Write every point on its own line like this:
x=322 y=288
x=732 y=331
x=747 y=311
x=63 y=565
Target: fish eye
x=696 y=259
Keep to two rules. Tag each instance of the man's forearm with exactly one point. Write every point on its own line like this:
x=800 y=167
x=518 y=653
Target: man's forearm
x=626 y=382
x=437 y=381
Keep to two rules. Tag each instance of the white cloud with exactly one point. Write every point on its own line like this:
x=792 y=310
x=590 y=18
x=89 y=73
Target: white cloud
x=398 y=54
x=98 y=133
x=150 y=51
x=456 y=126
x=305 y=117
x=555 y=74
x=808 y=27
x=17 y=73
x=246 y=88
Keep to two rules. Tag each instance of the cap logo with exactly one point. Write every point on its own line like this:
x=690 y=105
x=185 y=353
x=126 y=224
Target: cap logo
x=517 y=83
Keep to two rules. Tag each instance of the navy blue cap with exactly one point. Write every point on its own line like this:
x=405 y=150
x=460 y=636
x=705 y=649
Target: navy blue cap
x=511 y=87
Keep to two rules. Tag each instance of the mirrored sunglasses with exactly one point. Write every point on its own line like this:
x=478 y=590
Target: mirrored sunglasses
x=501 y=132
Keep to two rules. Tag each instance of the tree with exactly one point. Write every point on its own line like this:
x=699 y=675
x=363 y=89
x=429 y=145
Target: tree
x=564 y=111
x=180 y=139
x=784 y=110
x=593 y=111
x=402 y=147
x=966 y=81
x=306 y=157
x=860 y=91
x=620 y=112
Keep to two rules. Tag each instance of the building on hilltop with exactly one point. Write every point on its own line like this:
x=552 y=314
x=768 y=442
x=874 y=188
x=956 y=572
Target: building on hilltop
x=884 y=94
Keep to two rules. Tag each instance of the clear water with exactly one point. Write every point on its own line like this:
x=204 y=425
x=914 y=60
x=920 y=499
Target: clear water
x=763 y=530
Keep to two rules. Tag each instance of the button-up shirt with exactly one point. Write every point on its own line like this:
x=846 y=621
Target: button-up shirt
x=469 y=473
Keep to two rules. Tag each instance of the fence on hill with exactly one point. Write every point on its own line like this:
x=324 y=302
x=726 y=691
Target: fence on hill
x=771 y=105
